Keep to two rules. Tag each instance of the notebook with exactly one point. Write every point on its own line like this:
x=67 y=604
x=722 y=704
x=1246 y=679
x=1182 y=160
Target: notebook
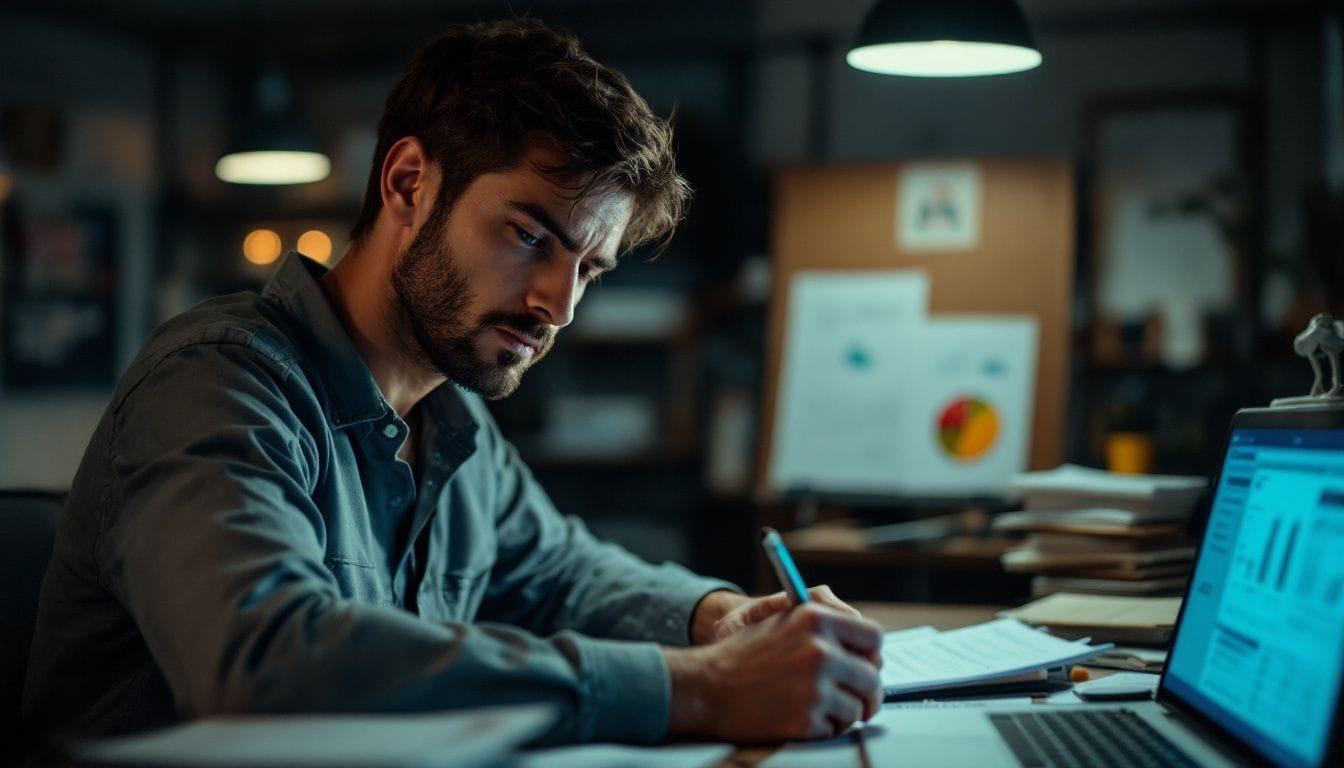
x=1254 y=672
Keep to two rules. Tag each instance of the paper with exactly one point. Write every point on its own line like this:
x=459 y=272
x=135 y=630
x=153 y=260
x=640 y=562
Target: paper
x=967 y=389
x=979 y=653
x=619 y=756
x=449 y=739
x=938 y=207
x=905 y=635
x=1069 y=487
x=1075 y=610
x=876 y=398
x=838 y=404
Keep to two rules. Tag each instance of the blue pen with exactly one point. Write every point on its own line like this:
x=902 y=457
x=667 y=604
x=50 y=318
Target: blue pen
x=785 y=570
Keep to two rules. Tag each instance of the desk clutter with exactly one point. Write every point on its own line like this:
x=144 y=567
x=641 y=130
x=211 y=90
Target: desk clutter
x=1097 y=532
x=1004 y=655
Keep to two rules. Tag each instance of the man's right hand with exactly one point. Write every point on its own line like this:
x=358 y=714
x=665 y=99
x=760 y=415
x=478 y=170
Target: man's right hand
x=802 y=674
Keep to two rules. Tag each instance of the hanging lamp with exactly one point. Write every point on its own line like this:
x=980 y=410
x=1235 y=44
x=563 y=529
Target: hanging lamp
x=273 y=148
x=944 y=38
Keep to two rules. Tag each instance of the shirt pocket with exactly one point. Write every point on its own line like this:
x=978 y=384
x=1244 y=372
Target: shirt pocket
x=359 y=581
x=461 y=591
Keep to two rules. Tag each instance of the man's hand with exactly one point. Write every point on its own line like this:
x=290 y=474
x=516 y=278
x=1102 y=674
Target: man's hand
x=753 y=610
x=798 y=674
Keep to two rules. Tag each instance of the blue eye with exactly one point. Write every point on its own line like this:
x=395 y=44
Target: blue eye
x=527 y=238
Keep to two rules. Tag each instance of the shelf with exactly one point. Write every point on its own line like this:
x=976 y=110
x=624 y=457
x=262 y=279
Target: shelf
x=546 y=458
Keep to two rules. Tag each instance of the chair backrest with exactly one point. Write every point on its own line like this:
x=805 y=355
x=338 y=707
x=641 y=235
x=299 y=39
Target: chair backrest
x=27 y=534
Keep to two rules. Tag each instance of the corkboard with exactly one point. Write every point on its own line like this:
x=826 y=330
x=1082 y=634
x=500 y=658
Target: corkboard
x=845 y=218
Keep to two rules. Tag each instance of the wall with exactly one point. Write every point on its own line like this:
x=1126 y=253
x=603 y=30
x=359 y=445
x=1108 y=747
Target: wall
x=868 y=117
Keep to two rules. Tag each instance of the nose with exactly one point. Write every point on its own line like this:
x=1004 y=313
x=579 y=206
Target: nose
x=554 y=292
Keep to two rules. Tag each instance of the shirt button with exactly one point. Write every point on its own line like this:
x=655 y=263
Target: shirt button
x=390 y=430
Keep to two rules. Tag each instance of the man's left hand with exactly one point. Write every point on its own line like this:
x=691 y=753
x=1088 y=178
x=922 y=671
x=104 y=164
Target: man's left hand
x=761 y=608
x=721 y=614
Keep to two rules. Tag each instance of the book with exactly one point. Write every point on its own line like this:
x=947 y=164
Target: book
x=1049 y=585
x=1090 y=522
x=1020 y=560
x=1138 y=573
x=1080 y=543
x=1110 y=617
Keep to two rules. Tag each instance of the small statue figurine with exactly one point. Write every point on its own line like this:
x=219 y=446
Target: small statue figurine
x=1324 y=337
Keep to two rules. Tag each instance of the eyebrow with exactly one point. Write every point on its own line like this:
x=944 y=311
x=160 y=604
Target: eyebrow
x=544 y=219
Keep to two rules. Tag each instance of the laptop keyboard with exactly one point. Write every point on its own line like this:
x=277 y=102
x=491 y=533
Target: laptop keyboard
x=1104 y=738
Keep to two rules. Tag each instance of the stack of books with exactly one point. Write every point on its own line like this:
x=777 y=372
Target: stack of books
x=1096 y=532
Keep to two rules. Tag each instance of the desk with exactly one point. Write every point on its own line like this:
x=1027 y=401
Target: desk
x=892 y=616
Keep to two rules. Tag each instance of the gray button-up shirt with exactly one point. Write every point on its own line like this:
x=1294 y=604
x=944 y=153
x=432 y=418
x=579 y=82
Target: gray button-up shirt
x=241 y=537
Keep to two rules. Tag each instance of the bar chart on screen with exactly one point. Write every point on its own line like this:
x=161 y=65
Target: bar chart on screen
x=1283 y=575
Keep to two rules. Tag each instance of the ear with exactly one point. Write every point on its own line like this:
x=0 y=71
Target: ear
x=404 y=180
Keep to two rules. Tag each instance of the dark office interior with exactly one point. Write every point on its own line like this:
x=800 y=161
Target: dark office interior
x=648 y=419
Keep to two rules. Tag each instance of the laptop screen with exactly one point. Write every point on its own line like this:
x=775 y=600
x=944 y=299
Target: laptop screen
x=1260 y=649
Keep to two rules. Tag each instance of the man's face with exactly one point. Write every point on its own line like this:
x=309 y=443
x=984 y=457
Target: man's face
x=484 y=286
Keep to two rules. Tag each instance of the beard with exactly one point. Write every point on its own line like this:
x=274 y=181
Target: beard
x=433 y=300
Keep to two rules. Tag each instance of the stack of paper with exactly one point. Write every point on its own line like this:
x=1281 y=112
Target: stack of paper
x=924 y=660
x=1142 y=497
x=1121 y=619
x=1101 y=532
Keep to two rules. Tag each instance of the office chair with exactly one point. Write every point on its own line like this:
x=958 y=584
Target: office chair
x=27 y=534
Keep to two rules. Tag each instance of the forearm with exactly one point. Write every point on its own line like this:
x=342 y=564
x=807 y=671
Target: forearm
x=553 y=575
x=346 y=656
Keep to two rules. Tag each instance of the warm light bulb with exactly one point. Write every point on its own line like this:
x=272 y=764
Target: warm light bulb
x=315 y=245
x=943 y=58
x=278 y=167
x=261 y=246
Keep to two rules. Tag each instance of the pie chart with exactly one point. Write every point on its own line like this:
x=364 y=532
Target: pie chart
x=967 y=428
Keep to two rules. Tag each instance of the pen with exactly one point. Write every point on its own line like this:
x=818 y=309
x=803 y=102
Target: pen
x=785 y=570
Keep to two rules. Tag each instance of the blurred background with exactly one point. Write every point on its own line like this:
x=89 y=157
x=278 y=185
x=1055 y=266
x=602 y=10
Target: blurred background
x=647 y=419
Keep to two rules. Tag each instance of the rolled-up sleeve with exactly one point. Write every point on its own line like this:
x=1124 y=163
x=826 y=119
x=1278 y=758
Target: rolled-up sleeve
x=216 y=548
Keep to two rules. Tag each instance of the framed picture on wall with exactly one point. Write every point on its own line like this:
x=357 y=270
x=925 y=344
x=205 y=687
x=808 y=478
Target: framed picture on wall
x=1169 y=177
x=59 y=295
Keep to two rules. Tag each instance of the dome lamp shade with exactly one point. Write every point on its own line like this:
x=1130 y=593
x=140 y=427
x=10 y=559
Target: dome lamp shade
x=273 y=148
x=944 y=38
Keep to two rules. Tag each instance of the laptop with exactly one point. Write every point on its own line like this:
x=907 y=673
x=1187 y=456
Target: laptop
x=1255 y=670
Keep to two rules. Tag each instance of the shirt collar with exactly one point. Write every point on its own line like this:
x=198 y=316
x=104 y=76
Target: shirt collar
x=351 y=392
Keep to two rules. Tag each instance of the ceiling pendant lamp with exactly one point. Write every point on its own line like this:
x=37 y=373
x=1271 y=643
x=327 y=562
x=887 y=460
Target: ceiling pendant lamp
x=274 y=148
x=944 y=38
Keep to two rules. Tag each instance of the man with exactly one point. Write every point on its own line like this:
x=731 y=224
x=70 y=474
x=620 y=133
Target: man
x=293 y=503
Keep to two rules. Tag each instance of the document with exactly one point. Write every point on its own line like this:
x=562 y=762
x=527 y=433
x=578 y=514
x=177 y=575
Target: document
x=995 y=650
x=620 y=756
x=1097 y=495
x=877 y=397
x=966 y=391
x=844 y=337
x=938 y=207
x=457 y=739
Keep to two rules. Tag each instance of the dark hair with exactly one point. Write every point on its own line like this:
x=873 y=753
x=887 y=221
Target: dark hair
x=481 y=95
